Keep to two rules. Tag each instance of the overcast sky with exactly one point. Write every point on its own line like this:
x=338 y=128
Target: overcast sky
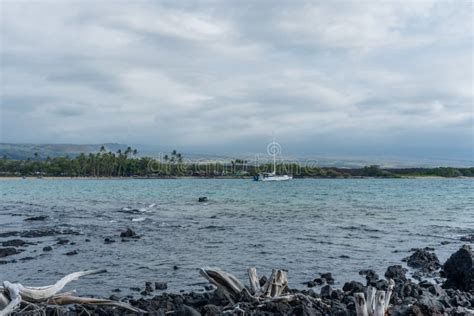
x=327 y=77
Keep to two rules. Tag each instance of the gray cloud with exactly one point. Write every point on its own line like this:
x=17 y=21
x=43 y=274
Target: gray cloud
x=214 y=77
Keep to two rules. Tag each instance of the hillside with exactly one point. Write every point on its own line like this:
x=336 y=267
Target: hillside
x=25 y=151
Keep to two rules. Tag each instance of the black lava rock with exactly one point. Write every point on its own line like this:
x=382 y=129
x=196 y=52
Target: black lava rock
x=370 y=275
x=326 y=291
x=353 y=287
x=36 y=218
x=202 y=199
x=397 y=273
x=14 y=243
x=108 y=240
x=4 y=252
x=459 y=270
x=469 y=238
x=328 y=277
x=424 y=260
x=129 y=234
x=161 y=285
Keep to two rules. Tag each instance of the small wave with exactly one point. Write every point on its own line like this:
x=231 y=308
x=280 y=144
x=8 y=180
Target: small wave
x=362 y=228
x=213 y=227
x=138 y=219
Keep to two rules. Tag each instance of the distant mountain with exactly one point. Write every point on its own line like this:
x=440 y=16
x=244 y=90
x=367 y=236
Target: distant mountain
x=25 y=151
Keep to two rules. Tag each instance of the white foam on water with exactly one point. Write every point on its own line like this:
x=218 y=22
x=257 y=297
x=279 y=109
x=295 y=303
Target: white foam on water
x=138 y=219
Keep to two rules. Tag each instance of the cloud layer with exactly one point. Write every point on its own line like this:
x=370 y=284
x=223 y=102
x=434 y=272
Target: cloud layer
x=333 y=77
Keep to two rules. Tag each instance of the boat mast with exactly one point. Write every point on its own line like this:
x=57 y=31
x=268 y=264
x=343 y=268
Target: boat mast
x=274 y=158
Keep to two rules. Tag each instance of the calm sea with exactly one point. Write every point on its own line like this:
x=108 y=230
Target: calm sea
x=307 y=226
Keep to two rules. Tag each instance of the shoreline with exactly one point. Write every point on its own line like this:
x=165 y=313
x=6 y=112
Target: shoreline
x=215 y=178
x=434 y=289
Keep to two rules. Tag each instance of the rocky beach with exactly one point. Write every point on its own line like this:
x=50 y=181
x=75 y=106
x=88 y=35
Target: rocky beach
x=423 y=286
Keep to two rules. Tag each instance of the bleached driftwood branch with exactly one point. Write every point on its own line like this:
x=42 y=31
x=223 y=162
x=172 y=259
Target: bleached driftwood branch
x=377 y=301
x=226 y=282
x=376 y=305
x=12 y=295
x=39 y=294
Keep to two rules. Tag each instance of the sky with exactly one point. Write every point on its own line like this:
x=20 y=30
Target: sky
x=325 y=77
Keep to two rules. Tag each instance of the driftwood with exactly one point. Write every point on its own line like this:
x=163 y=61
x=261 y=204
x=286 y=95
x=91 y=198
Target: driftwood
x=233 y=288
x=15 y=300
x=274 y=290
x=254 y=281
x=226 y=282
x=68 y=299
x=276 y=284
x=12 y=295
x=377 y=301
x=39 y=294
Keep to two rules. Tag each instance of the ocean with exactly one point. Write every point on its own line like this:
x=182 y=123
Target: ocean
x=307 y=226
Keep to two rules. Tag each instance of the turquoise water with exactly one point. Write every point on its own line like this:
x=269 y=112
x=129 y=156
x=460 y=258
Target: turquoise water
x=306 y=226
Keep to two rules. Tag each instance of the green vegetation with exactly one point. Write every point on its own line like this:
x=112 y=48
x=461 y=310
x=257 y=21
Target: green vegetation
x=126 y=164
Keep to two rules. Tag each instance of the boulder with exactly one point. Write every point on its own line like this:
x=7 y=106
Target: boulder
x=328 y=277
x=424 y=260
x=161 y=285
x=469 y=238
x=370 y=275
x=397 y=273
x=459 y=270
x=353 y=287
x=4 y=252
x=129 y=234
x=326 y=291
x=108 y=240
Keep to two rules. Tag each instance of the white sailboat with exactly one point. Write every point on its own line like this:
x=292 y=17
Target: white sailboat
x=273 y=149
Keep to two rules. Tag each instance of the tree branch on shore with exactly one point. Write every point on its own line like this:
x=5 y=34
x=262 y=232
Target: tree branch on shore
x=12 y=295
x=276 y=289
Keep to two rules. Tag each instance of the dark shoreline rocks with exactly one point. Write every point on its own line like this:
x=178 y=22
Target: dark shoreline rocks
x=36 y=233
x=16 y=243
x=423 y=259
x=454 y=297
x=129 y=233
x=5 y=252
x=459 y=270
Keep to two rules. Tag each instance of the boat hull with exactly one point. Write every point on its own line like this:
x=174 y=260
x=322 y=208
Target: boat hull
x=272 y=178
